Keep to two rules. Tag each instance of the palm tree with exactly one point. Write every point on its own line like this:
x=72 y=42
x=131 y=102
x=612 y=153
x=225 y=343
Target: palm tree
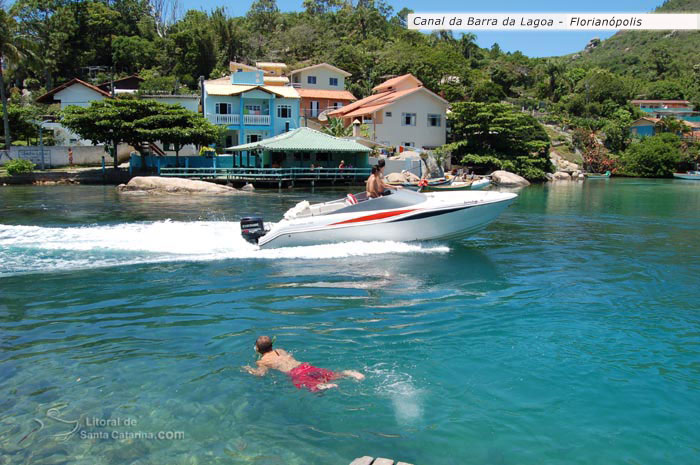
x=13 y=47
x=335 y=127
x=673 y=125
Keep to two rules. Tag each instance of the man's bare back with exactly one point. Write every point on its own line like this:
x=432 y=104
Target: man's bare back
x=302 y=374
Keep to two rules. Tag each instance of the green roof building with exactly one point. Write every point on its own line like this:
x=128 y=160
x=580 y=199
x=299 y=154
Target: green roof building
x=301 y=148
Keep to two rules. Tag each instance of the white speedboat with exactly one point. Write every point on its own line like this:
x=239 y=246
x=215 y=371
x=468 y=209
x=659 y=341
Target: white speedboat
x=403 y=215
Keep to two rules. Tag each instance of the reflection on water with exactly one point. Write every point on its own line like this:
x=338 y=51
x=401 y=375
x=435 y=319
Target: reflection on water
x=526 y=343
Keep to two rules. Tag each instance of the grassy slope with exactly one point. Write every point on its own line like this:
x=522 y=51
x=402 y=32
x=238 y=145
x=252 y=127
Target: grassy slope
x=628 y=52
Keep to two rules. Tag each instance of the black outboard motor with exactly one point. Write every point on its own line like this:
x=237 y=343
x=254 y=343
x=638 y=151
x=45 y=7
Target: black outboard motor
x=252 y=228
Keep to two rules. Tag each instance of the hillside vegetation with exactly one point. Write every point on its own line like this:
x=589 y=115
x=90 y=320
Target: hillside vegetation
x=52 y=41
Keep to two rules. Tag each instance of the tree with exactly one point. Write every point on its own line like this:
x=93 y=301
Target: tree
x=617 y=131
x=177 y=126
x=661 y=58
x=132 y=53
x=655 y=156
x=135 y=121
x=595 y=156
x=13 y=48
x=335 y=127
x=673 y=125
x=263 y=15
x=498 y=135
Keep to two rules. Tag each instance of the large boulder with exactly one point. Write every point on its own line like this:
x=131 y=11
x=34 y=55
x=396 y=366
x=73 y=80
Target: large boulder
x=155 y=184
x=562 y=176
x=508 y=179
x=402 y=177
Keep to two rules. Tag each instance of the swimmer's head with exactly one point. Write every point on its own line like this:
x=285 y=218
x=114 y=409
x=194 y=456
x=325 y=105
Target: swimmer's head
x=263 y=344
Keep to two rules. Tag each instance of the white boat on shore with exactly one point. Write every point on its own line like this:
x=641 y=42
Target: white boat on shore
x=403 y=215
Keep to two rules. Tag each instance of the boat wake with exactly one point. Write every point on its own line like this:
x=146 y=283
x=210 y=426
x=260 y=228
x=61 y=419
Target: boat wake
x=26 y=249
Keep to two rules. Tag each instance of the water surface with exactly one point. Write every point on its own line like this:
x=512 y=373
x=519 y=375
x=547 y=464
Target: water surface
x=566 y=332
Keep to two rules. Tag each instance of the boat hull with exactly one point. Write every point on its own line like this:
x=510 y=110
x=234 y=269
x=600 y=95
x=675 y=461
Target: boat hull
x=691 y=176
x=447 y=221
x=458 y=186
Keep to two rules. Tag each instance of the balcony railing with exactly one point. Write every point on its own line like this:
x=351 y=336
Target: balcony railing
x=248 y=120
x=256 y=120
x=226 y=119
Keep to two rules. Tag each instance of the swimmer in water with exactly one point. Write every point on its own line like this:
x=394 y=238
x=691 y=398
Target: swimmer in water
x=303 y=375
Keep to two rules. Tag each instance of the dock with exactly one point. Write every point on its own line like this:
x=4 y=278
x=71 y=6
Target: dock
x=274 y=176
x=366 y=460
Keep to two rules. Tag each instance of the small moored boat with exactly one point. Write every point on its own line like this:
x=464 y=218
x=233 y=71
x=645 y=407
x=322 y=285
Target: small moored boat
x=473 y=185
x=694 y=175
x=605 y=175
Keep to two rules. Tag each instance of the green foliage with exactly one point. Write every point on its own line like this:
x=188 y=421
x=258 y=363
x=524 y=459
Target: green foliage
x=135 y=121
x=19 y=166
x=666 y=90
x=131 y=54
x=655 y=156
x=335 y=127
x=496 y=135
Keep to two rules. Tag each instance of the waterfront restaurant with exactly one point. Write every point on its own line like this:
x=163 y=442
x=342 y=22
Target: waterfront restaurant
x=301 y=148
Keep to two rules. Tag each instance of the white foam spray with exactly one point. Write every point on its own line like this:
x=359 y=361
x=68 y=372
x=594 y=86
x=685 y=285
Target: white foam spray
x=400 y=388
x=32 y=248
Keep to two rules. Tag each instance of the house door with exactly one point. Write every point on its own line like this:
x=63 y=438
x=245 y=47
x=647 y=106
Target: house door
x=314 y=108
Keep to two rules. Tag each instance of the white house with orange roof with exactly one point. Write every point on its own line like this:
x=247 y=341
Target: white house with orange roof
x=400 y=112
x=321 y=87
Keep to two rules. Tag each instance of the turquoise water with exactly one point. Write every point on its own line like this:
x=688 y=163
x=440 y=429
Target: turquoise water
x=567 y=332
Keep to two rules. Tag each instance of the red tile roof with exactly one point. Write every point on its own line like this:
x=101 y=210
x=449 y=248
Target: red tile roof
x=369 y=105
x=328 y=94
x=46 y=97
x=394 y=81
x=684 y=102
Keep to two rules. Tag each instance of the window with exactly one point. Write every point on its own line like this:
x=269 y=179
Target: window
x=333 y=81
x=252 y=138
x=295 y=79
x=229 y=141
x=387 y=114
x=252 y=110
x=434 y=120
x=337 y=105
x=286 y=126
x=408 y=119
x=284 y=111
x=408 y=144
x=311 y=79
x=223 y=108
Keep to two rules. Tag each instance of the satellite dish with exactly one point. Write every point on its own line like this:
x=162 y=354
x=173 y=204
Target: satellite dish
x=323 y=117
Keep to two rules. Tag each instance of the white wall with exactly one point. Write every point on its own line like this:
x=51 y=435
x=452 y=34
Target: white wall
x=322 y=79
x=77 y=94
x=57 y=155
x=392 y=132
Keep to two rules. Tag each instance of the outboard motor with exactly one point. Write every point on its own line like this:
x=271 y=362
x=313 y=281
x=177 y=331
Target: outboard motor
x=252 y=228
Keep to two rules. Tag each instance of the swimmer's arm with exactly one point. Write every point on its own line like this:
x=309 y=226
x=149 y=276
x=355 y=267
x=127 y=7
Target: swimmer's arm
x=259 y=371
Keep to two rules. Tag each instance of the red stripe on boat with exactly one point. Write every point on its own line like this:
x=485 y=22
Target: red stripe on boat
x=376 y=216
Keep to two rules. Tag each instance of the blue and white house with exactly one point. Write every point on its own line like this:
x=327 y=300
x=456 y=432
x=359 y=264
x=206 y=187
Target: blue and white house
x=250 y=110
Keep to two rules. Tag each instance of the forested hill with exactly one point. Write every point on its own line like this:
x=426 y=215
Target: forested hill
x=648 y=54
x=368 y=38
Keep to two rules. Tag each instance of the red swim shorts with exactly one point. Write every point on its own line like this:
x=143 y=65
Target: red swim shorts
x=309 y=377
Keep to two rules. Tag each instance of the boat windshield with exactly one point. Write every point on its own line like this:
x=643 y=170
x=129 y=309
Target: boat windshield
x=397 y=199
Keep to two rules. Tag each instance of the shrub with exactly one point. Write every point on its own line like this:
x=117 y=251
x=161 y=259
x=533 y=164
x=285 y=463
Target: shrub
x=19 y=167
x=655 y=156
